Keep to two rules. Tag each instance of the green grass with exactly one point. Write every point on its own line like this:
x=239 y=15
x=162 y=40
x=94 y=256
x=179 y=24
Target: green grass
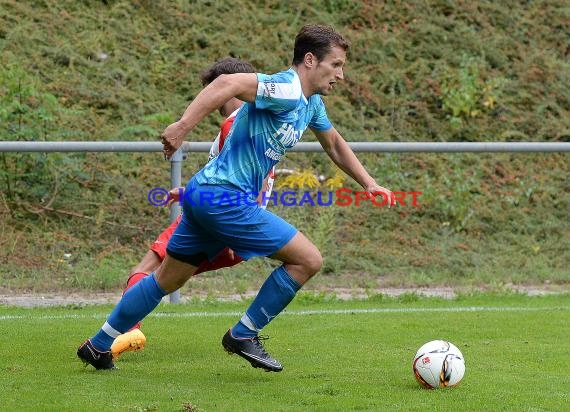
x=338 y=356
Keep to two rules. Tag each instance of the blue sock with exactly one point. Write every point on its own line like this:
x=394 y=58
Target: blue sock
x=275 y=294
x=135 y=304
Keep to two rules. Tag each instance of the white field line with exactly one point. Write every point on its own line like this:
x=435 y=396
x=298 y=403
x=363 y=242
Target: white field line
x=299 y=312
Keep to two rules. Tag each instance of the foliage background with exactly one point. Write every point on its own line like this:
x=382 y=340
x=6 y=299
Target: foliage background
x=417 y=71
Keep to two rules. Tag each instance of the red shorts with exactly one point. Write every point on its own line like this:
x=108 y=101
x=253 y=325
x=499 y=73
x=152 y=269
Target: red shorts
x=222 y=260
x=159 y=245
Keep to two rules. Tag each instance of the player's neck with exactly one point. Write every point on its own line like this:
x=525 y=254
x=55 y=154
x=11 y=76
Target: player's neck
x=230 y=106
x=302 y=73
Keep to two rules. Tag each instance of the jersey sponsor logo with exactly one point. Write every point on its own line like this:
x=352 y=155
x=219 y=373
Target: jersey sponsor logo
x=287 y=135
x=269 y=89
x=272 y=89
x=272 y=154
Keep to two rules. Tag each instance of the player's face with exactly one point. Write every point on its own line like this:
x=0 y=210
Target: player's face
x=329 y=71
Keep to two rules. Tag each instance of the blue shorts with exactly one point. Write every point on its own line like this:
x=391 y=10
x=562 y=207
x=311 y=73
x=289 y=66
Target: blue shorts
x=215 y=217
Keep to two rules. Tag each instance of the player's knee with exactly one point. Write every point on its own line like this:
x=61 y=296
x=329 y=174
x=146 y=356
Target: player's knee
x=314 y=262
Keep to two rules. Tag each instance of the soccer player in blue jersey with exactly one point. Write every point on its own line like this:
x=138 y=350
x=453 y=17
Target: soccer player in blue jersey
x=278 y=109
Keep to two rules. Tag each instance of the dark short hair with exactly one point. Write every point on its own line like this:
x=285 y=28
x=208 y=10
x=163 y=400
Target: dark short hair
x=317 y=39
x=227 y=65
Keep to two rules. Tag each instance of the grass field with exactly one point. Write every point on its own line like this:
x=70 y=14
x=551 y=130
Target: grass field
x=338 y=356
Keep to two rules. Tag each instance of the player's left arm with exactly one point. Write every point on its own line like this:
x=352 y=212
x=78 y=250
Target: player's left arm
x=342 y=155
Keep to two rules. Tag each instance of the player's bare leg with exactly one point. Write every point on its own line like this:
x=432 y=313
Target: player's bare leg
x=148 y=264
x=173 y=273
x=302 y=259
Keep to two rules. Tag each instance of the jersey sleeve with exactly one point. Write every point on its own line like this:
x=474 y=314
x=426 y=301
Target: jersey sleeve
x=277 y=92
x=320 y=121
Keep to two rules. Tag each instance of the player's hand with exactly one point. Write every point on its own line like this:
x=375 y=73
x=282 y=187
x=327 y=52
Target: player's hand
x=172 y=138
x=175 y=195
x=377 y=190
x=231 y=254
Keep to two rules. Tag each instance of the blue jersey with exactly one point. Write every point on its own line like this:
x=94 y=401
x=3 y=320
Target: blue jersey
x=264 y=130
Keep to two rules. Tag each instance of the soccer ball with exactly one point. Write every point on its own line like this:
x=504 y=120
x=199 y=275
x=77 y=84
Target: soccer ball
x=439 y=364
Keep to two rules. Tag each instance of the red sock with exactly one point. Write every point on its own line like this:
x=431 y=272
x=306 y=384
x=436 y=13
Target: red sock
x=131 y=281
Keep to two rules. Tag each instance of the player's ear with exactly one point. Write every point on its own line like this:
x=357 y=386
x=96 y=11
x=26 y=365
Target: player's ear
x=310 y=60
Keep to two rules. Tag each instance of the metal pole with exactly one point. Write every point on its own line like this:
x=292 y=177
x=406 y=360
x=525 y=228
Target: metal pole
x=21 y=146
x=176 y=181
x=425 y=147
x=445 y=147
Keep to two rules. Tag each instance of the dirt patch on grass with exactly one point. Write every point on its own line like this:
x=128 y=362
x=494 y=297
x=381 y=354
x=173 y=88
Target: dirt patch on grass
x=74 y=299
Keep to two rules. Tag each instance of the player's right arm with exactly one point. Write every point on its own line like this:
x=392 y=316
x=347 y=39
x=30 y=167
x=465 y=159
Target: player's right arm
x=240 y=85
x=342 y=155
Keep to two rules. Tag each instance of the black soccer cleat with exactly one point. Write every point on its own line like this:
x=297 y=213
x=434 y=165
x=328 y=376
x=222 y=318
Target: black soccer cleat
x=99 y=360
x=252 y=351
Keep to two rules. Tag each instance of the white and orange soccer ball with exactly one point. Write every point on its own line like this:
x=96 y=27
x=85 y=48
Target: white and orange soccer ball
x=439 y=364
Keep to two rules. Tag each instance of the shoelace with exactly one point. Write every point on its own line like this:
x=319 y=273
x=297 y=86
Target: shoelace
x=257 y=340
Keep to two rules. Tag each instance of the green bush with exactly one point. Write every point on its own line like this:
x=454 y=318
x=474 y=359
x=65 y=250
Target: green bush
x=417 y=71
